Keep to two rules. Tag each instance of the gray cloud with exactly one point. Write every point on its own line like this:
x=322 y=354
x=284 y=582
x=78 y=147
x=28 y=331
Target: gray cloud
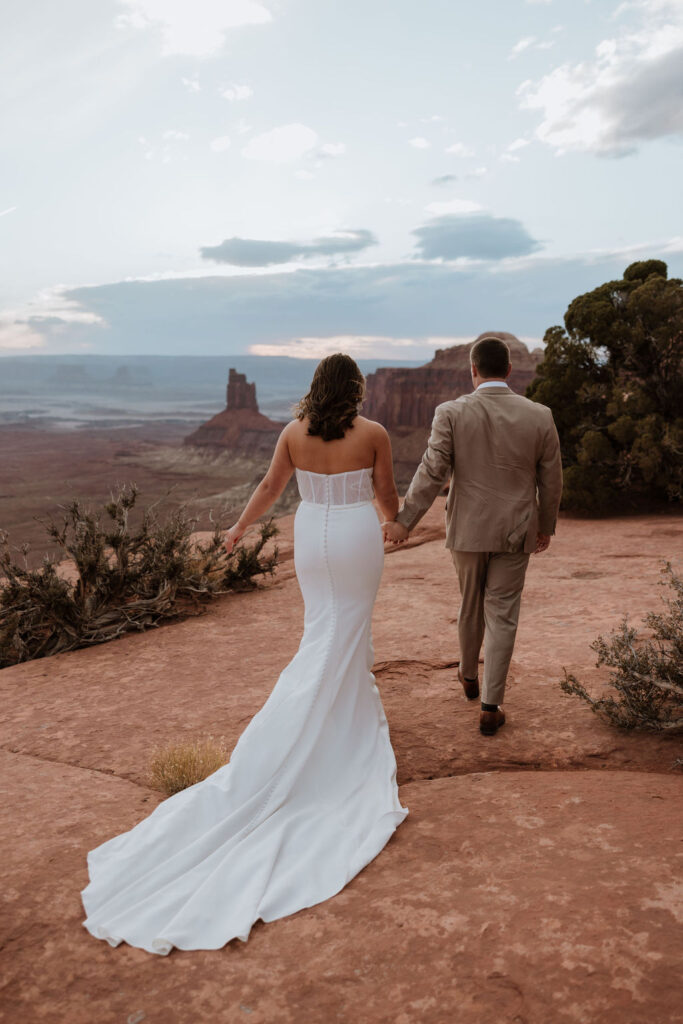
x=647 y=106
x=445 y=179
x=254 y=252
x=478 y=236
x=214 y=315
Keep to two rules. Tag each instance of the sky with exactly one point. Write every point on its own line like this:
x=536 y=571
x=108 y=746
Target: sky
x=296 y=177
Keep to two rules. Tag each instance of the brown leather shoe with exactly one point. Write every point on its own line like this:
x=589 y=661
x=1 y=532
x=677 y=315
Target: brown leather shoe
x=491 y=721
x=470 y=686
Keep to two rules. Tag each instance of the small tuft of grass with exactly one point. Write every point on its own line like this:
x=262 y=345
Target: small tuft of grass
x=175 y=766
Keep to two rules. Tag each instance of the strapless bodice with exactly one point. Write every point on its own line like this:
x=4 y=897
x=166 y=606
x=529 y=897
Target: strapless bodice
x=348 y=488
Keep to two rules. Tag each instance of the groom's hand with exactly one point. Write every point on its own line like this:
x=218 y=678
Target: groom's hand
x=395 y=532
x=542 y=543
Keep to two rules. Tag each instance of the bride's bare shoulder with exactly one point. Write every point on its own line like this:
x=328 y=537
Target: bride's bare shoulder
x=371 y=426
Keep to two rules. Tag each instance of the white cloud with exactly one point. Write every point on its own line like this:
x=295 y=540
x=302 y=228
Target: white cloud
x=8 y=210
x=539 y=1
x=460 y=149
x=356 y=345
x=630 y=92
x=420 y=143
x=192 y=84
x=220 y=144
x=196 y=28
x=478 y=172
x=235 y=93
x=175 y=136
x=517 y=144
x=16 y=336
x=521 y=46
x=530 y=43
x=439 y=209
x=281 y=145
x=304 y=175
x=333 y=149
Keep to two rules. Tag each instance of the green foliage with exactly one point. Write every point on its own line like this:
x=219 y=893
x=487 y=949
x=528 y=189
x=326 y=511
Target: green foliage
x=123 y=579
x=648 y=671
x=614 y=381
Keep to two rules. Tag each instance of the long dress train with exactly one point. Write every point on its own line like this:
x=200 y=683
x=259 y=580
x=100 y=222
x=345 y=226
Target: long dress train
x=308 y=797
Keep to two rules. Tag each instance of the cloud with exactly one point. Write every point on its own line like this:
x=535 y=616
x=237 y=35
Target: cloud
x=371 y=346
x=10 y=209
x=17 y=336
x=521 y=46
x=192 y=84
x=220 y=144
x=453 y=206
x=531 y=43
x=196 y=28
x=254 y=252
x=445 y=179
x=479 y=236
x=222 y=314
x=281 y=145
x=234 y=93
x=332 y=149
x=510 y=151
x=419 y=142
x=460 y=149
x=631 y=92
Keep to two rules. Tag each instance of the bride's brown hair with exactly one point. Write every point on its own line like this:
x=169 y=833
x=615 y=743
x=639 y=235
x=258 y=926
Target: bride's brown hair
x=337 y=388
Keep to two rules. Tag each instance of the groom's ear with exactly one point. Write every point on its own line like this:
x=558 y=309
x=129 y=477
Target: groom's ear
x=509 y=371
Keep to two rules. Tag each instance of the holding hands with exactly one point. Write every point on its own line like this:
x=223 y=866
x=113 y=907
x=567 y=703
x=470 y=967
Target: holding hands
x=395 y=533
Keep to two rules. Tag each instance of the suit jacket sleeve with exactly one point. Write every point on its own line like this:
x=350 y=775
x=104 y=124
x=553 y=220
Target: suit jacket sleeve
x=431 y=474
x=549 y=480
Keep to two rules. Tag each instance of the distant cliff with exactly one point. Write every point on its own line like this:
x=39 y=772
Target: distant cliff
x=401 y=397
x=240 y=427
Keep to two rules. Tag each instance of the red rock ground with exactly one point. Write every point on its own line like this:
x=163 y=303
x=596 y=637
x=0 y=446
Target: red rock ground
x=536 y=879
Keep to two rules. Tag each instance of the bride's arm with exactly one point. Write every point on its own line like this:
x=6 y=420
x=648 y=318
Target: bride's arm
x=383 y=475
x=267 y=492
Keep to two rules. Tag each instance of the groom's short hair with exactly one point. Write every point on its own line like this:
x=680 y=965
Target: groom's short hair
x=491 y=356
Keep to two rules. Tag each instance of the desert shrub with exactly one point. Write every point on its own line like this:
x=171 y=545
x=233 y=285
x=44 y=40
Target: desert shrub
x=176 y=766
x=125 y=578
x=613 y=378
x=647 y=669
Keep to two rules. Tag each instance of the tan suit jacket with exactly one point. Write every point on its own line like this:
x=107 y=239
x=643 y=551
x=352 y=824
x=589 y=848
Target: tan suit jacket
x=502 y=453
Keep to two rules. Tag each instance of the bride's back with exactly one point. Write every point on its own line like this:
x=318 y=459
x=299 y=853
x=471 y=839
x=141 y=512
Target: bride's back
x=355 y=450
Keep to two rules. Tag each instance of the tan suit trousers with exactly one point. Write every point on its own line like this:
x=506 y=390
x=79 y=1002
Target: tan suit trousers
x=491 y=585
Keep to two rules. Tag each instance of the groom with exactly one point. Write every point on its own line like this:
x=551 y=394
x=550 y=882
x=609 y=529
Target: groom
x=502 y=454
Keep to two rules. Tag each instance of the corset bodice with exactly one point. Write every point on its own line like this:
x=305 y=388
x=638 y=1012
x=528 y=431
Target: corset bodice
x=335 y=488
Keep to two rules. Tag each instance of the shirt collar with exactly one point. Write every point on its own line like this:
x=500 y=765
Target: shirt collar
x=492 y=384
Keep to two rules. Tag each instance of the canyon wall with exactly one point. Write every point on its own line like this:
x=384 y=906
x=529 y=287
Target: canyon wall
x=240 y=427
x=403 y=397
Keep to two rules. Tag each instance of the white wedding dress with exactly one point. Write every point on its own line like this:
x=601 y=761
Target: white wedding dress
x=309 y=796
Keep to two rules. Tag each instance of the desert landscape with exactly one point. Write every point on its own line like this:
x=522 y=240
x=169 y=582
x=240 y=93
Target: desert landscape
x=219 y=215
x=536 y=878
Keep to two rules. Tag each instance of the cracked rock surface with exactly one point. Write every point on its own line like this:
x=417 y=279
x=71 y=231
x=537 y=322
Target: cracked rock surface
x=536 y=878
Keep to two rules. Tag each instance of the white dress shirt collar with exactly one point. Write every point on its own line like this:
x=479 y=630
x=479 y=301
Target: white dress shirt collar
x=492 y=384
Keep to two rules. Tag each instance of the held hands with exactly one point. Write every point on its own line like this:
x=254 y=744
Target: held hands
x=231 y=537
x=394 y=532
x=542 y=543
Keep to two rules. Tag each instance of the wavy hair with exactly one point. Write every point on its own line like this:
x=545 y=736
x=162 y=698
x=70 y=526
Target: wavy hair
x=337 y=389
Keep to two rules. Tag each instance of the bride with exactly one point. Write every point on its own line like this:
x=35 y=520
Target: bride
x=309 y=796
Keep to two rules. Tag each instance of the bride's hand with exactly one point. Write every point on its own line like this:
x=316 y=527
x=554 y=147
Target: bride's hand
x=231 y=537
